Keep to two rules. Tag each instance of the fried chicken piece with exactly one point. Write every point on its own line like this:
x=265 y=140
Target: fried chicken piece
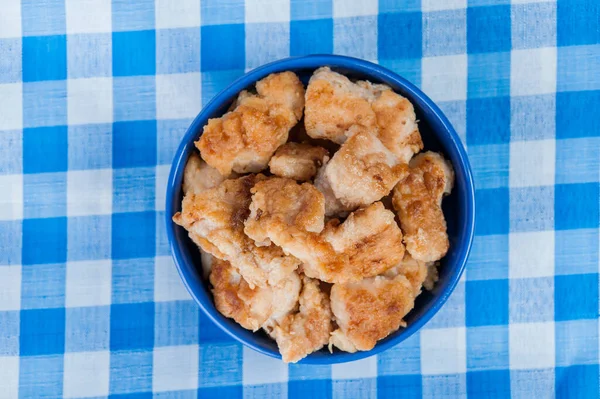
x=302 y=333
x=198 y=176
x=366 y=244
x=215 y=222
x=244 y=139
x=361 y=172
x=298 y=161
x=334 y=104
x=283 y=202
x=369 y=310
x=418 y=199
x=414 y=270
x=250 y=307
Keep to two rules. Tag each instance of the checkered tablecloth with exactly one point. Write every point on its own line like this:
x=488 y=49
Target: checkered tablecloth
x=95 y=96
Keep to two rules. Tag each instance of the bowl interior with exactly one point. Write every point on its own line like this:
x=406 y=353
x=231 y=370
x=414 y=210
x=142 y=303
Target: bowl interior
x=438 y=135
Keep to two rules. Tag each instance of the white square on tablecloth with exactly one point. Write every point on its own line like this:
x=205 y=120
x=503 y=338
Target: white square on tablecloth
x=178 y=95
x=345 y=9
x=438 y=5
x=443 y=351
x=175 y=368
x=9 y=375
x=364 y=368
x=10 y=288
x=445 y=77
x=11 y=200
x=88 y=16
x=531 y=345
x=11 y=104
x=259 y=369
x=162 y=176
x=88 y=283
x=260 y=11
x=177 y=13
x=532 y=163
x=89 y=192
x=531 y=254
x=10 y=19
x=167 y=283
x=89 y=101
x=86 y=374
x=533 y=71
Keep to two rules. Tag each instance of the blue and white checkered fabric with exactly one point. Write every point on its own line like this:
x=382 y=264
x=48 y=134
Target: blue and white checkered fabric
x=95 y=96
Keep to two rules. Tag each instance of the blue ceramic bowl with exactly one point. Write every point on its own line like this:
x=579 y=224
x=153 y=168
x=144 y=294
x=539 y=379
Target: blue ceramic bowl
x=437 y=134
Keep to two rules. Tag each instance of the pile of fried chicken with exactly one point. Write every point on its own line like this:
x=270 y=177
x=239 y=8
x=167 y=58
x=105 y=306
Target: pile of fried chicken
x=332 y=244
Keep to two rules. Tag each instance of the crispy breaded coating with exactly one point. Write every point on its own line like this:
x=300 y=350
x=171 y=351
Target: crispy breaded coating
x=215 y=221
x=302 y=333
x=418 y=199
x=366 y=244
x=244 y=139
x=369 y=310
x=414 y=270
x=360 y=173
x=334 y=104
x=252 y=307
x=283 y=202
x=298 y=161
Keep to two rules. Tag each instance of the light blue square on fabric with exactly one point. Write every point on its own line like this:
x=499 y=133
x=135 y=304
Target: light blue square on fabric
x=310 y=9
x=134 y=189
x=355 y=388
x=392 y=6
x=582 y=152
x=162 y=244
x=532 y=208
x=168 y=136
x=176 y=323
x=41 y=376
x=524 y=306
x=10 y=62
x=401 y=359
x=44 y=103
x=578 y=68
x=89 y=55
x=576 y=251
x=409 y=69
x=277 y=390
x=11 y=232
x=487 y=348
x=187 y=394
x=488 y=75
x=87 y=329
x=356 y=37
x=90 y=146
x=134 y=98
x=314 y=36
x=132 y=15
x=576 y=342
x=533 y=25
x=217 y=12
x=444 y=385
x=453 y=313
x=178 y=50
x=532 y=117
x=45 y=195
x=43 y=286
x=9 y=339
x=130 y=371
x=215 y=81
x=266 y=42
x=132 y=280
x=456 y=112
x=43 y=17
x=525 y=384
x=221 y=364
x=490 y=164
x=488 y=259
x=89 y=238
x=303 y=372
x=444 y=32
x=11 y=152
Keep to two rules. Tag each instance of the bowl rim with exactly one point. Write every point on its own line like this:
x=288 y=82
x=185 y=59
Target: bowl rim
x=309 y=62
